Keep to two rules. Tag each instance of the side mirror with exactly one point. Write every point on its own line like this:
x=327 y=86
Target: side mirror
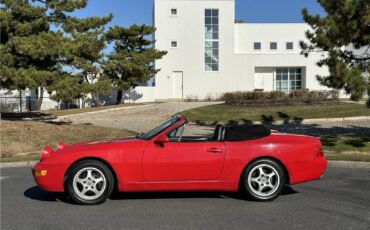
x=161 y=140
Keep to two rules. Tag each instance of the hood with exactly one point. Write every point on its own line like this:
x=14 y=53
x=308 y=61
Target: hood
x=63 y=146
x=89 y=146
x=128 y=139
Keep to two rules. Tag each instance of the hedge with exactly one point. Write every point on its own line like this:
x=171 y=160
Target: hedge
x=280 y=98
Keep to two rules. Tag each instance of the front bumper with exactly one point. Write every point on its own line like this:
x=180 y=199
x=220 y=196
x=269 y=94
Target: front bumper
x=49 y=177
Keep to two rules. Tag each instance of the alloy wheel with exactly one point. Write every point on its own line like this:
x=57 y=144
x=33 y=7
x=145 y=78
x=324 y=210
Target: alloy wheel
x=263 y=180
x=89 y=183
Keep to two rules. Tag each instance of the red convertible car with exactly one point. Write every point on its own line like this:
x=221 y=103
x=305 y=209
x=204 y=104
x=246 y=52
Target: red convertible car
x=251 y=159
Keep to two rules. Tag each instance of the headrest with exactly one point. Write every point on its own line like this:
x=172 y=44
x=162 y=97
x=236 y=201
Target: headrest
x=217 y=132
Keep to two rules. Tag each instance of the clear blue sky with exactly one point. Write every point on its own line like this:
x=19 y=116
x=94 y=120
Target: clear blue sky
x=127 y=12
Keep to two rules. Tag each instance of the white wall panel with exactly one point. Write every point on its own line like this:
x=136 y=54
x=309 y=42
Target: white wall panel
x=238 y=60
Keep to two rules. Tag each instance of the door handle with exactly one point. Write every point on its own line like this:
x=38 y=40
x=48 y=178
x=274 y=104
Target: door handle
x=214 y=150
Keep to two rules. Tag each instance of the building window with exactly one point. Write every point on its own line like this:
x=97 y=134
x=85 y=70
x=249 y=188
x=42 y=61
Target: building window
x=288 y=79
x=211 y=42
x=173 y=12
x=257 y=45
x=173 y=44
x=289 y=45
x=273 y=45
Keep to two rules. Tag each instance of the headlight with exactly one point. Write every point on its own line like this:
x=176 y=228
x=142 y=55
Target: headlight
x=45 y=153
x=61 y=145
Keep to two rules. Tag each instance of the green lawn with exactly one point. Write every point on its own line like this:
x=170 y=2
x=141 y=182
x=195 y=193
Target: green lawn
x=344 y=143
x=347 y=147
x=233 y=113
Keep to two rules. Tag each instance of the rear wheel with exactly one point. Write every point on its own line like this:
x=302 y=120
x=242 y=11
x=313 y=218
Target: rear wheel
x=89 y=182
x=263 y=180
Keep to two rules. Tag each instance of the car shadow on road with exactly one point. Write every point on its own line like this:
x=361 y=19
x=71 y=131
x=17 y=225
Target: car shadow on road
x=184 y=195
x=288 y=191
x=36 y=193
x=165 y=195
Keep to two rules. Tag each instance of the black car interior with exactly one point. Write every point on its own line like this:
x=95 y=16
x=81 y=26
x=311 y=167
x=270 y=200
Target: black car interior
x=222 y=133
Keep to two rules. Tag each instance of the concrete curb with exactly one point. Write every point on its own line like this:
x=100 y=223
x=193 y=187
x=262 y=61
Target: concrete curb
x=305 y=121
x=349 y=164
x=310 y=121
x=337 y=119
x=341 y=164
x=17 y=164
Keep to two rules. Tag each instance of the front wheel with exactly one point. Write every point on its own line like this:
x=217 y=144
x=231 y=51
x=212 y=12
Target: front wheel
x=89 y=182
x=263 y=180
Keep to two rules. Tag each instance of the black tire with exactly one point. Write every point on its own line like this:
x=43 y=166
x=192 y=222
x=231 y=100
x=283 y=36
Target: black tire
x=99 y=167
x=249 y=187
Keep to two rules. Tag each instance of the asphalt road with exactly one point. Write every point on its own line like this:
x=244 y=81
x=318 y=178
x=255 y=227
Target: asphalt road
x=340 y=201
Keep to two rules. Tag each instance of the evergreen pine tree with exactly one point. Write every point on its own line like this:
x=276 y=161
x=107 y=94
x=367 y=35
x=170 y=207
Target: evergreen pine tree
x=32 y=55
x=131 y=62
x=345 y=34
x=88 y=45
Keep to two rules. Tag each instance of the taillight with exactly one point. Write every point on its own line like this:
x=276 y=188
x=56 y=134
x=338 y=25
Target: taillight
x=45 y=153
x=320 y=151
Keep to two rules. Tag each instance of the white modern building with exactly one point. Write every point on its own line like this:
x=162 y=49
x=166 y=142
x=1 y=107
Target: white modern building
x=210 y=53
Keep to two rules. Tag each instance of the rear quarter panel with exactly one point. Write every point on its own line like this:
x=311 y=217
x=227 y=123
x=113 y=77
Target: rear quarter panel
x=296 y=153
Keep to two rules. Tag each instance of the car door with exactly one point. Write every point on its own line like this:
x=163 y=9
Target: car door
x=183 y=161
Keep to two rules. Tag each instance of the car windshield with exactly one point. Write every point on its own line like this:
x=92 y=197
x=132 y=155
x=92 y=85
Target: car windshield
x=152 y=133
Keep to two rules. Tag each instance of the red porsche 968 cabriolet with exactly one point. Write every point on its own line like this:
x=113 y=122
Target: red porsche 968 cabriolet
x=246 y=158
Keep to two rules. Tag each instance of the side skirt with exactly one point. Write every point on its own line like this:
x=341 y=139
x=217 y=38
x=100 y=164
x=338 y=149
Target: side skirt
x=156 y=186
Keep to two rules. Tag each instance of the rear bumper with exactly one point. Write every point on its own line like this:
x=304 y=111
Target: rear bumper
x=53 y=181
x=303 y=171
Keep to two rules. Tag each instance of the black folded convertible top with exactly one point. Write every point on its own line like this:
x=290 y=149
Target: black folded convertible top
x=245 y=132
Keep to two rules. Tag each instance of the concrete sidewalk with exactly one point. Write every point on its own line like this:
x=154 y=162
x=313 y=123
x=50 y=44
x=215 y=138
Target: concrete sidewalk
x=137 y=118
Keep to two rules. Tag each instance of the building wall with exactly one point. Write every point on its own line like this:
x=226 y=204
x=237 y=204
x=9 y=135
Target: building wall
x=238 y=61
x=248 y=33
x=188 y=29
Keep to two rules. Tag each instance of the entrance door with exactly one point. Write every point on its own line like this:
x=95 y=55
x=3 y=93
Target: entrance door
x=177 y=84
x=264 y=78
x=184 y=161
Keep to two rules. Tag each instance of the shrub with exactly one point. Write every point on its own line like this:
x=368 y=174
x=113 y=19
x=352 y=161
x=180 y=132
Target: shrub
x=278 y=97
x=209 y=97
x=191 y=98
